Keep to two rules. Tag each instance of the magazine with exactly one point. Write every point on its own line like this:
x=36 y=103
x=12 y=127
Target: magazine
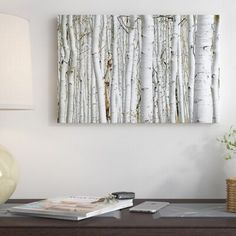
x=71 y=208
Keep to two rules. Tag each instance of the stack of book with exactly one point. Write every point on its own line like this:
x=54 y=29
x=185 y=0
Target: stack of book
x=71 y=208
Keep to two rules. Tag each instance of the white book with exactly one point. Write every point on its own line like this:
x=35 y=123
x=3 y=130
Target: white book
x=71 y=208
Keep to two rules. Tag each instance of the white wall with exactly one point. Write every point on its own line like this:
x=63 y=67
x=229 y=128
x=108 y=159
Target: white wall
x=173 y=161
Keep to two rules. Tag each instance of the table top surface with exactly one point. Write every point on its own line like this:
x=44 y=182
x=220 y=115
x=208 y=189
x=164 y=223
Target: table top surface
x=125 y=219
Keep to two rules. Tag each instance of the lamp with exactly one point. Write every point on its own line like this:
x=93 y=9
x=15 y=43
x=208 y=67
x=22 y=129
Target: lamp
x=15 y=86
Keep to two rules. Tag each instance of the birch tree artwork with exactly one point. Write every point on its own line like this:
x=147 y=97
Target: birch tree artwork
x=138 y=69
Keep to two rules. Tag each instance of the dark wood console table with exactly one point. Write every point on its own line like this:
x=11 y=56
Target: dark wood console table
x=135 y=224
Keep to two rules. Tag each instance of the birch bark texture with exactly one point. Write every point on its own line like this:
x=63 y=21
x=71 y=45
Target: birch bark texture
x=138 y=69
x=64 y=60
x=174 y=47
x=97 y=68
x=146 y=69
x=114 y=82
x=191 y=64
x=216 y=70
x=203 y=105
x=129 y=68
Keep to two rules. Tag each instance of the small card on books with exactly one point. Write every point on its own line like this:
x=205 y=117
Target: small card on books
x=72 y=208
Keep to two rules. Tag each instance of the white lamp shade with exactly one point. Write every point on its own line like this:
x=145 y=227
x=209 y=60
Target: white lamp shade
x=15 y=63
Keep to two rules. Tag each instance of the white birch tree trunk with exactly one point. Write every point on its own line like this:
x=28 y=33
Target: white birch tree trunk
x=89 y=73
x=97 y=69
x=163 y=78
x=159 y=72
x=103 y=44
x=72 y=70
x=138 y=107
x=77 y=78
x=93 y=98
x=82 y=70
x=167 y=72
x=146 y=69
x=114 y=82
x=155 y=79
x=174 y=44
x=203 y=111
x=63 y=72
x=129 y=67
x=94 y=103
x=215 y=71
x=120 y=74
x=134 y=88
x=191 y=30
x=180 y=79
x=108 y=68
x=123 y=63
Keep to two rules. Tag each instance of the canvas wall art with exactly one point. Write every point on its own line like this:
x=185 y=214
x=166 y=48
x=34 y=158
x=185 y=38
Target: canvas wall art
x=138 y=69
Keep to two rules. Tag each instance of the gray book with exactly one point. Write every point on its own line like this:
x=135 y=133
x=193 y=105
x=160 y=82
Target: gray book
x=71 y=208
